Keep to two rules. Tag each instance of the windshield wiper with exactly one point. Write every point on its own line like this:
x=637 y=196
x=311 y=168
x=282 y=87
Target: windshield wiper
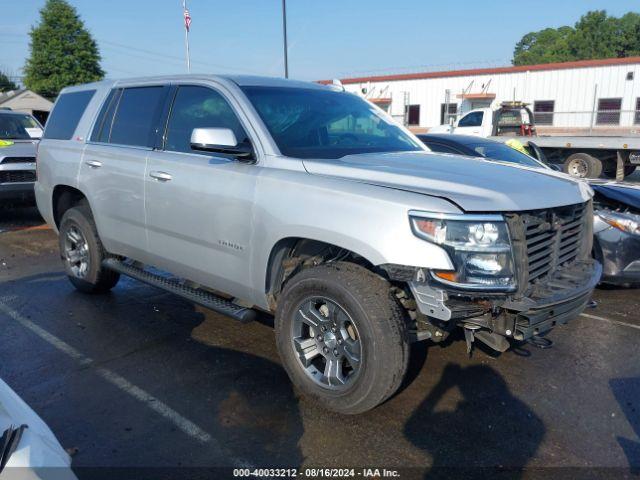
x=9 y=443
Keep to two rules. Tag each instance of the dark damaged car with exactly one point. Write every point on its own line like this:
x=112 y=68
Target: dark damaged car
x=617 y=231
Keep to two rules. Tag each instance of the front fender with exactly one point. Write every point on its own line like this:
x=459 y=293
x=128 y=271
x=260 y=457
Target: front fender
x=368 y=220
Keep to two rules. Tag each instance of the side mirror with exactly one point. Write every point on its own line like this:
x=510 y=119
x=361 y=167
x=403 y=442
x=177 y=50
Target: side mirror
x=221 y=140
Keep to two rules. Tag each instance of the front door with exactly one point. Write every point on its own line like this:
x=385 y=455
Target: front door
x=471 y=123
x=199 y=205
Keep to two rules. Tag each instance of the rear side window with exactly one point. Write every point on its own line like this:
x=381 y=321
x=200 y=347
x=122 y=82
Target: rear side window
x=66 y=114
x=440 y=148
x=102 y=128
x=136 y=113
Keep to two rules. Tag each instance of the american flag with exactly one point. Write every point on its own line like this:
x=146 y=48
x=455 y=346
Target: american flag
x=187 y=19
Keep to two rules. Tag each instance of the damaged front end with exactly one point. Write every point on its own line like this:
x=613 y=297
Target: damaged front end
x=546 y=277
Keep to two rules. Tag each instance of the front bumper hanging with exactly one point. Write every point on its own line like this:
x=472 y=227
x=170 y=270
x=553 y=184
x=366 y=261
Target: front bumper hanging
x=545 y=304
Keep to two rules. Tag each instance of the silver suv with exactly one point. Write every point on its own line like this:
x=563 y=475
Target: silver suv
x=19 y=135
x=308 y=202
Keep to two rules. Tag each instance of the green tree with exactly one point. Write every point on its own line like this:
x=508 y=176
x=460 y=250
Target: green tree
x=63 y=52
x=545 y=46
x=629 y=35
x=6 y=84
x=595 y=35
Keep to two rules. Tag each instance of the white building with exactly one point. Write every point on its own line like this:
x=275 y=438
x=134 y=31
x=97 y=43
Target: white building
x=600 y=96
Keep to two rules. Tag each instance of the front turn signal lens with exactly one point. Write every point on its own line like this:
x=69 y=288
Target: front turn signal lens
x=445 y=275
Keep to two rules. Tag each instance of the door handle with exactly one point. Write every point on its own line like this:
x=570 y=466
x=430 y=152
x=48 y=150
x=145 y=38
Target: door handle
x=160 y=176
x=94 y=163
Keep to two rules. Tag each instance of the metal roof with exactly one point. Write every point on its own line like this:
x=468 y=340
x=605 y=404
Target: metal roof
x=605 y=62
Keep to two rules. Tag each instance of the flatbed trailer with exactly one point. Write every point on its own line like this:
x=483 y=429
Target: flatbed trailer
x=581 y=156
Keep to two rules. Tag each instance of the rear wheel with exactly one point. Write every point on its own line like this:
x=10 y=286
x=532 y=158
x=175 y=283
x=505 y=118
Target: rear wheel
x=629 y=170
x=583 y=165
x=82 y=252
x=342 y=337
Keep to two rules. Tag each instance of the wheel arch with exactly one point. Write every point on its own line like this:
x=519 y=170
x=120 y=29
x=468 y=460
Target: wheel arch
x=63 y=198
x=291 y=254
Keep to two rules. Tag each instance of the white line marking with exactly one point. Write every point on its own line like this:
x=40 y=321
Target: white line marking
x=615 y=322
x=187 y=426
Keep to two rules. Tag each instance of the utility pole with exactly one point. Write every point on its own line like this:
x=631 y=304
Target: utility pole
x=284 y=31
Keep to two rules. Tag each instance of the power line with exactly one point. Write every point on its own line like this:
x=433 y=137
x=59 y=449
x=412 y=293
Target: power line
x=157 y=56
x=165 y=56
x=160 y=55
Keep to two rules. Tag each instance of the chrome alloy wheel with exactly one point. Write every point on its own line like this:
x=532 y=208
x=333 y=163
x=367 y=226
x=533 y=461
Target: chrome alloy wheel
x=76 y=252
x=578 y=168
x=327 y=343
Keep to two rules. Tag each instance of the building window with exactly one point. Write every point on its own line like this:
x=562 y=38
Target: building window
x=609 y=111
x=447 y=113
x=636 y=119
x=413 y=114
x=543 y=112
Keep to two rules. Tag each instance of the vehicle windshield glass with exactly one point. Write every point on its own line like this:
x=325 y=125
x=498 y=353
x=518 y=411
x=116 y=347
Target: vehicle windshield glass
x=18 y=127
x=326 y=124
x=504 y=153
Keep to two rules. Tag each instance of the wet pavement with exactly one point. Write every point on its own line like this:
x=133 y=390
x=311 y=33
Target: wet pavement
x=140 y=378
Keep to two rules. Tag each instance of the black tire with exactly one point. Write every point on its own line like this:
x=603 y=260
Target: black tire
x=582 y=165
x=96 y=278
x=629 y=170
x=382 y=331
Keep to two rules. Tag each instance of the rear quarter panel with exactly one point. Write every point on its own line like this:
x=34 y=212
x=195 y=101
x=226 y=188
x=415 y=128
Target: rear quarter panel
x=58 y=161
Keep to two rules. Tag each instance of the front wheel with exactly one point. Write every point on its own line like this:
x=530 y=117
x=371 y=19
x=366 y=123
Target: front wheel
x=342 y=337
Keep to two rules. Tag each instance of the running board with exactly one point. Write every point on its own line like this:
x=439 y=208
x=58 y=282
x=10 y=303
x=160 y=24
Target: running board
x=201 y=297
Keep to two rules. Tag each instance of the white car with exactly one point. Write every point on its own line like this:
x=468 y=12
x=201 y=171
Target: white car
x=28 y=448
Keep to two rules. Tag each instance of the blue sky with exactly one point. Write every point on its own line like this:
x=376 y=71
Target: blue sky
x=327 y=38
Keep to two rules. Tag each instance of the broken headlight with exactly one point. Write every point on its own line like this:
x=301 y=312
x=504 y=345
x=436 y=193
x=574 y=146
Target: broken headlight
x=625 y=221
x=479 y=247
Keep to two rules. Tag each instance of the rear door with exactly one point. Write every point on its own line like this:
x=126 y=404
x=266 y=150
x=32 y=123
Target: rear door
x=199 y=205
x=113 y=166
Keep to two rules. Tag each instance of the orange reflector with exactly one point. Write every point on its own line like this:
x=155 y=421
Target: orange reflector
x=449 y=276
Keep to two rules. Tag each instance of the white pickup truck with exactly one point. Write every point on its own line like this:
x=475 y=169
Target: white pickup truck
x=580 y=156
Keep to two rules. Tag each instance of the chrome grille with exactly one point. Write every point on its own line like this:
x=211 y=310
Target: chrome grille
x=17 y=176
x=7 y=160
x=553 y=238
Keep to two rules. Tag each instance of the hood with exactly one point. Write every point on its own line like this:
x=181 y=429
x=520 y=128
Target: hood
x=627 y=195
x=474 y=184
x=19 y=148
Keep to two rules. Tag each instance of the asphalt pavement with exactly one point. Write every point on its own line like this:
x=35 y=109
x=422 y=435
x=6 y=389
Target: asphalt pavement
x=141 y=378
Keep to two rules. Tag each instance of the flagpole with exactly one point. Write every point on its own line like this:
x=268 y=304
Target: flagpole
x=284 y=31
x=186 y=37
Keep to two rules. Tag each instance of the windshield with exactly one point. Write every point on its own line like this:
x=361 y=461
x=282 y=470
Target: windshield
x=326 y=124
x=504 y=153
x=18 y=127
